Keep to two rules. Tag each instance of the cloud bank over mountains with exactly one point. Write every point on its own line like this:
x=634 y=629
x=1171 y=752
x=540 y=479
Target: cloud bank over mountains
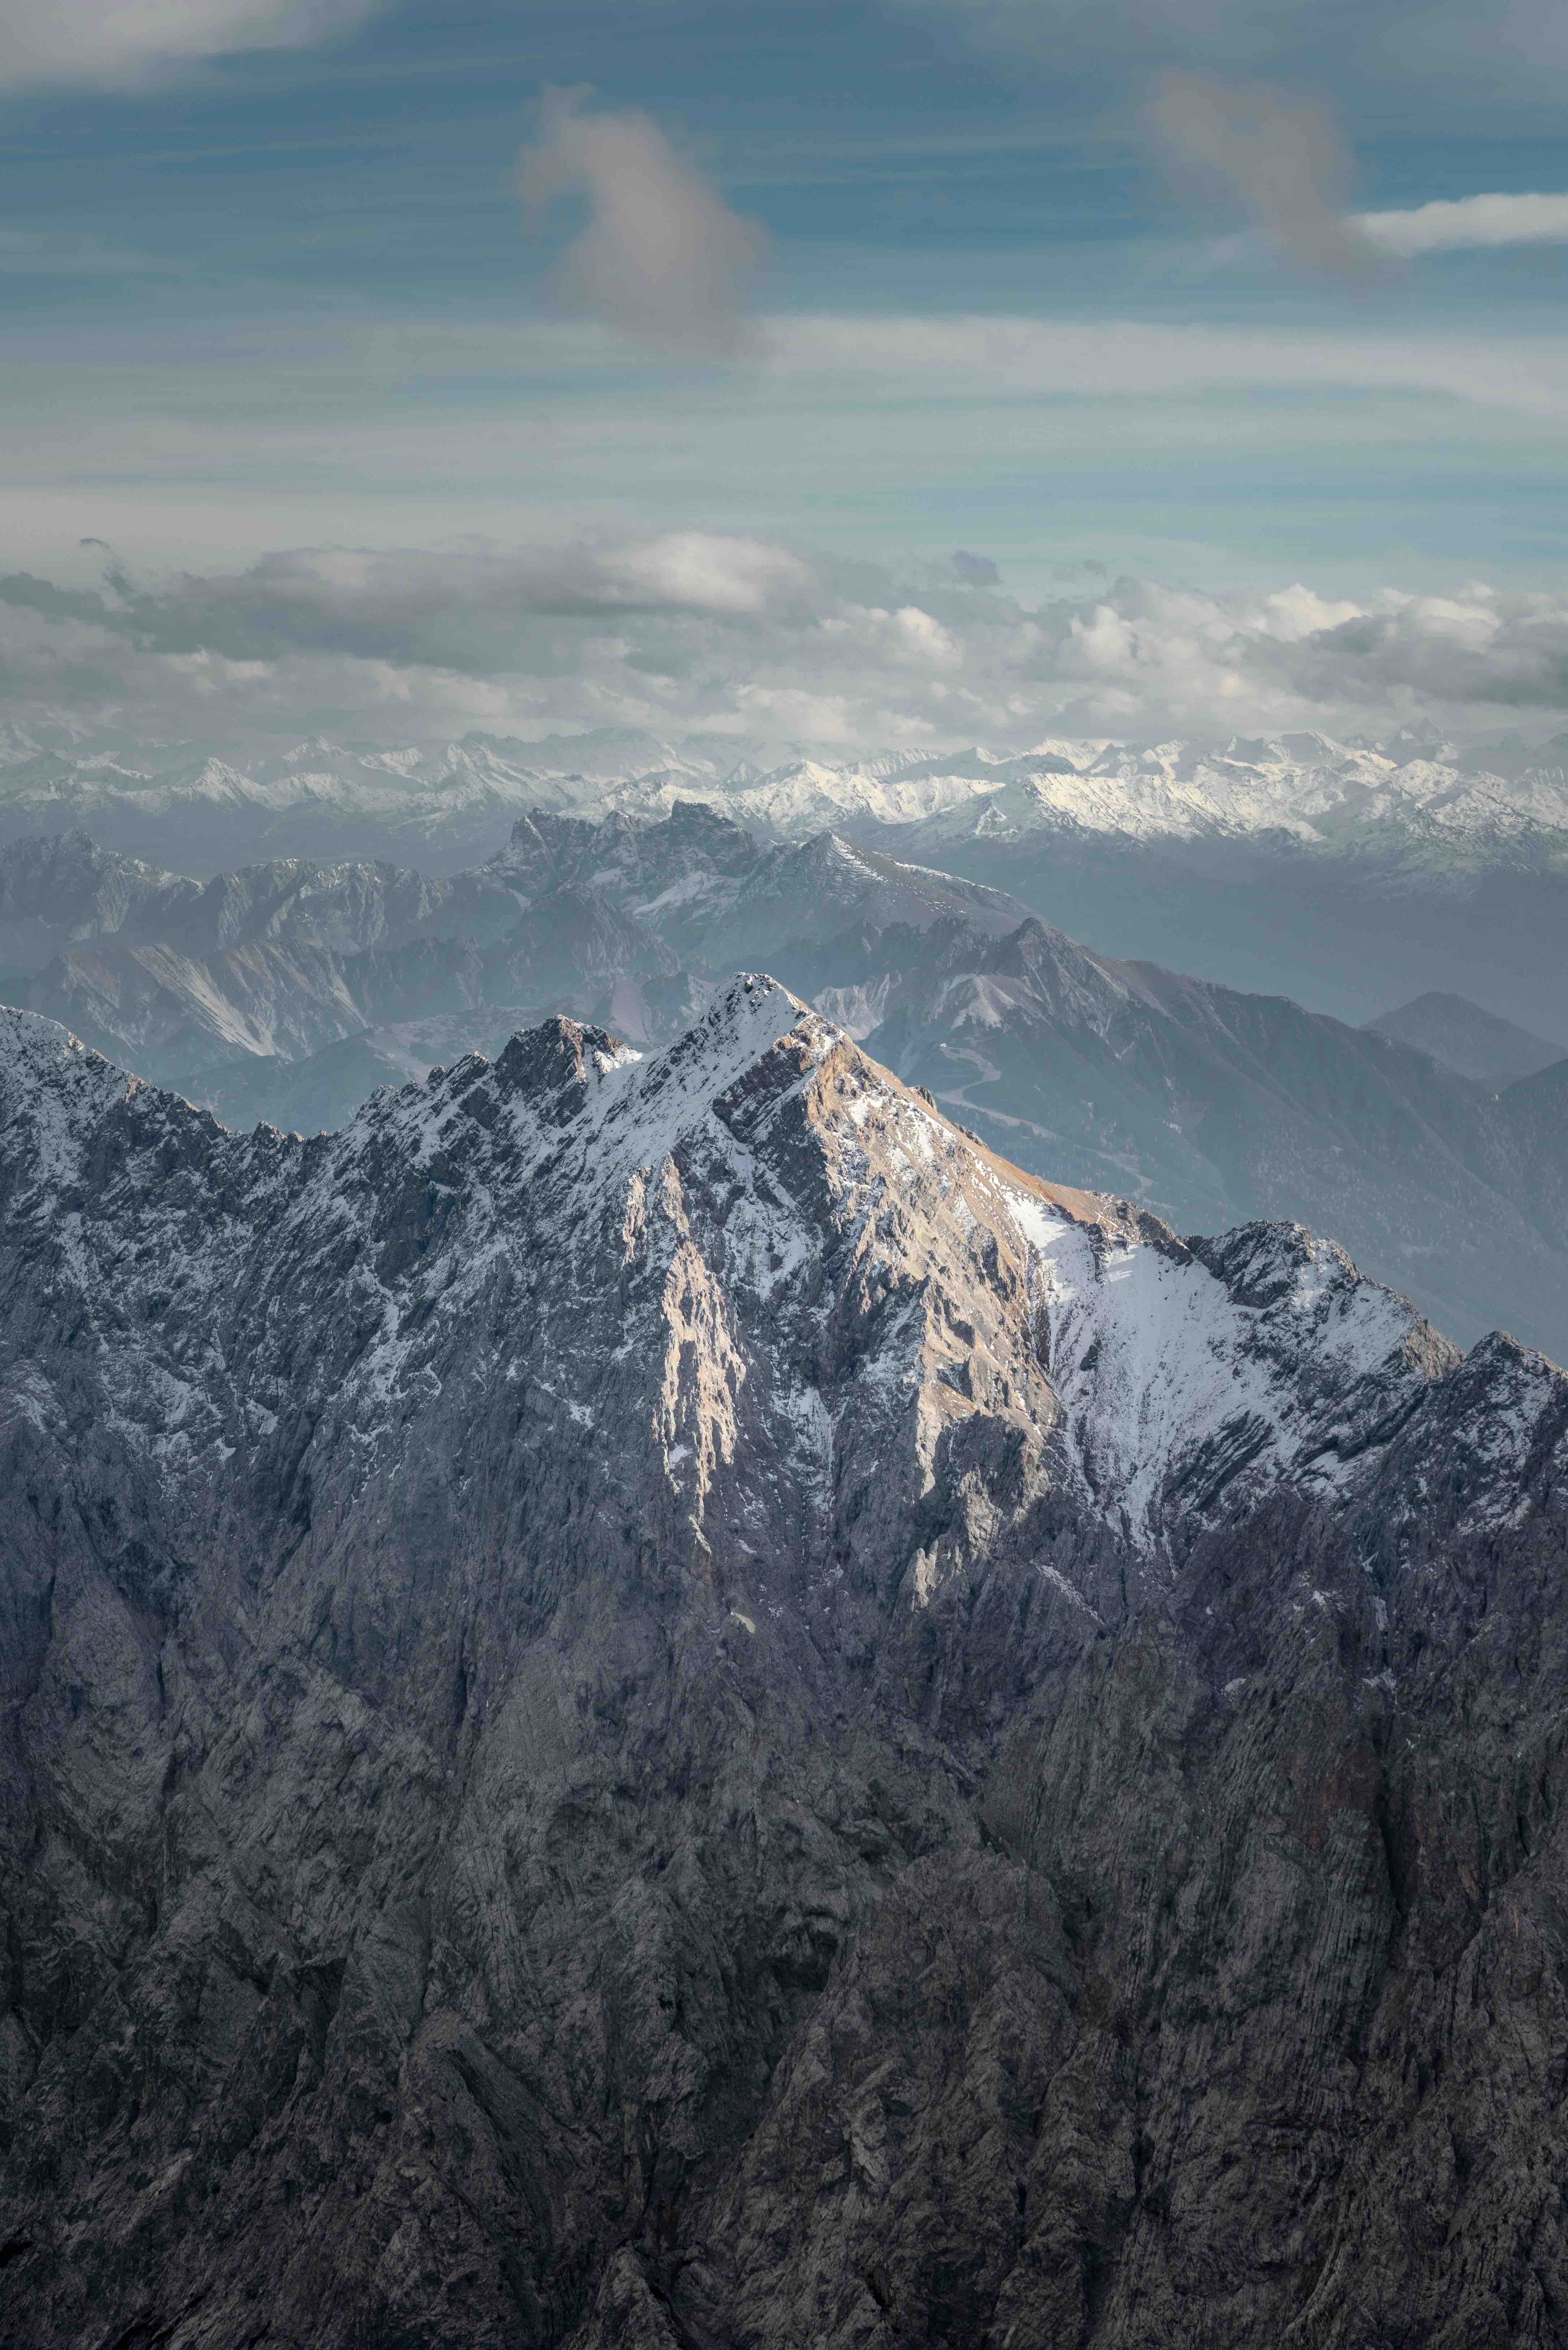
x=698 y=630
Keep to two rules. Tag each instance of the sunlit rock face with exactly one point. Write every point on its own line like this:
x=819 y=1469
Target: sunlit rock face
x=649 y=1699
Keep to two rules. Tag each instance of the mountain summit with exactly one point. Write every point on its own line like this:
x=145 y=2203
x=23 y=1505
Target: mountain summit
x=652 y=1700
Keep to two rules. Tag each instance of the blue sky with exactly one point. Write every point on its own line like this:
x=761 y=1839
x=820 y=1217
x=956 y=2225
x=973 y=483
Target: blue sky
x=1021 y=278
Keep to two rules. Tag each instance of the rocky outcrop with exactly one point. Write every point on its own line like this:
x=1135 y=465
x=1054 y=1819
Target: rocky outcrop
x=653 y=1701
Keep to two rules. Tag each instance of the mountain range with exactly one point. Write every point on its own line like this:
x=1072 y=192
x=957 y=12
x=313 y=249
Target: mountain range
x=652 y=1700
x=1207 y=1105
x=1417 y=795
x=288 y=992
x=1468 y=1039
x=198 y=983
x=1351 y=875
x=1346 y=875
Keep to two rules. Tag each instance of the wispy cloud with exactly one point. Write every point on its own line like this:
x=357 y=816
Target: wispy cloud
x=1472 y=224
x=1450 y=49
x=71 y=252
x=1016 y=358
x=1274 y=157
x=127 y=43
x=1030 y=437
x=661 y=255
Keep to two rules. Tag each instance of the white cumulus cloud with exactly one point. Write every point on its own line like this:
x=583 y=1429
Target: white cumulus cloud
x=704 y=571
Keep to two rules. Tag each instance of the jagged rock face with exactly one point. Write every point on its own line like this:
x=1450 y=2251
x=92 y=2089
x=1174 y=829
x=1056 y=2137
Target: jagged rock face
x=652 y=1702
x=73 y=893
x=712 y=891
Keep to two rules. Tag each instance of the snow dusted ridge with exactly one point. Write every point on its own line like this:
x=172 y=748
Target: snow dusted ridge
x=612 y=1580
x=1308 y=788
x=1321 y=794
x=1173 y=1380
x=765 y=1297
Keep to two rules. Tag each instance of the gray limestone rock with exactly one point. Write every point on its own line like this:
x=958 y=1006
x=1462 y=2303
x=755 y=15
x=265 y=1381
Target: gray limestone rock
x=652 y=1702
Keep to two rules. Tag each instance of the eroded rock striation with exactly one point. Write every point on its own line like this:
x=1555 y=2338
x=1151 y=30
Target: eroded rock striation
x=652 y=1702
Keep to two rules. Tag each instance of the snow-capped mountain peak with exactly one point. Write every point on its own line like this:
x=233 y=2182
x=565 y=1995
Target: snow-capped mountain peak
x=804 y=1191
x=670 y=1635
x=1329 y=797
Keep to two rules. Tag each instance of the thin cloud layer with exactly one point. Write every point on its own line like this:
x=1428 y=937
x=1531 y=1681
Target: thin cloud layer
x=1472 y=224
x=127 y=43
x=693 y=632
x=661 y=255
x=1454 y=50
x=1020 y=356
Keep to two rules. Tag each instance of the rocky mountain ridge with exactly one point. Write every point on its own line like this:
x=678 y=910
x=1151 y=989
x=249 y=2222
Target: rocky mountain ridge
x=191 y=981
x=1346 y=874
x=652 y=1700
x=289 y=991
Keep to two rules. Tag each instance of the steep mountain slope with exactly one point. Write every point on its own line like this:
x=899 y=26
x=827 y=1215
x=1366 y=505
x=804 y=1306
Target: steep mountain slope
x=289 y=991
x=1536 y=1114
x=1208 y=1105
x=322 y=1091
x=1465 y=1038
x=652 y=1702
x=68 y=891
x=202 y=1024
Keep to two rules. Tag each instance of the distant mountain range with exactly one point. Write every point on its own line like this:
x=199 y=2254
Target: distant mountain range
x=1351 y=875
x=1464 y=1038
x=1417 y=797
x=1208 y=1105
x=288 y=992
x=221 y=987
